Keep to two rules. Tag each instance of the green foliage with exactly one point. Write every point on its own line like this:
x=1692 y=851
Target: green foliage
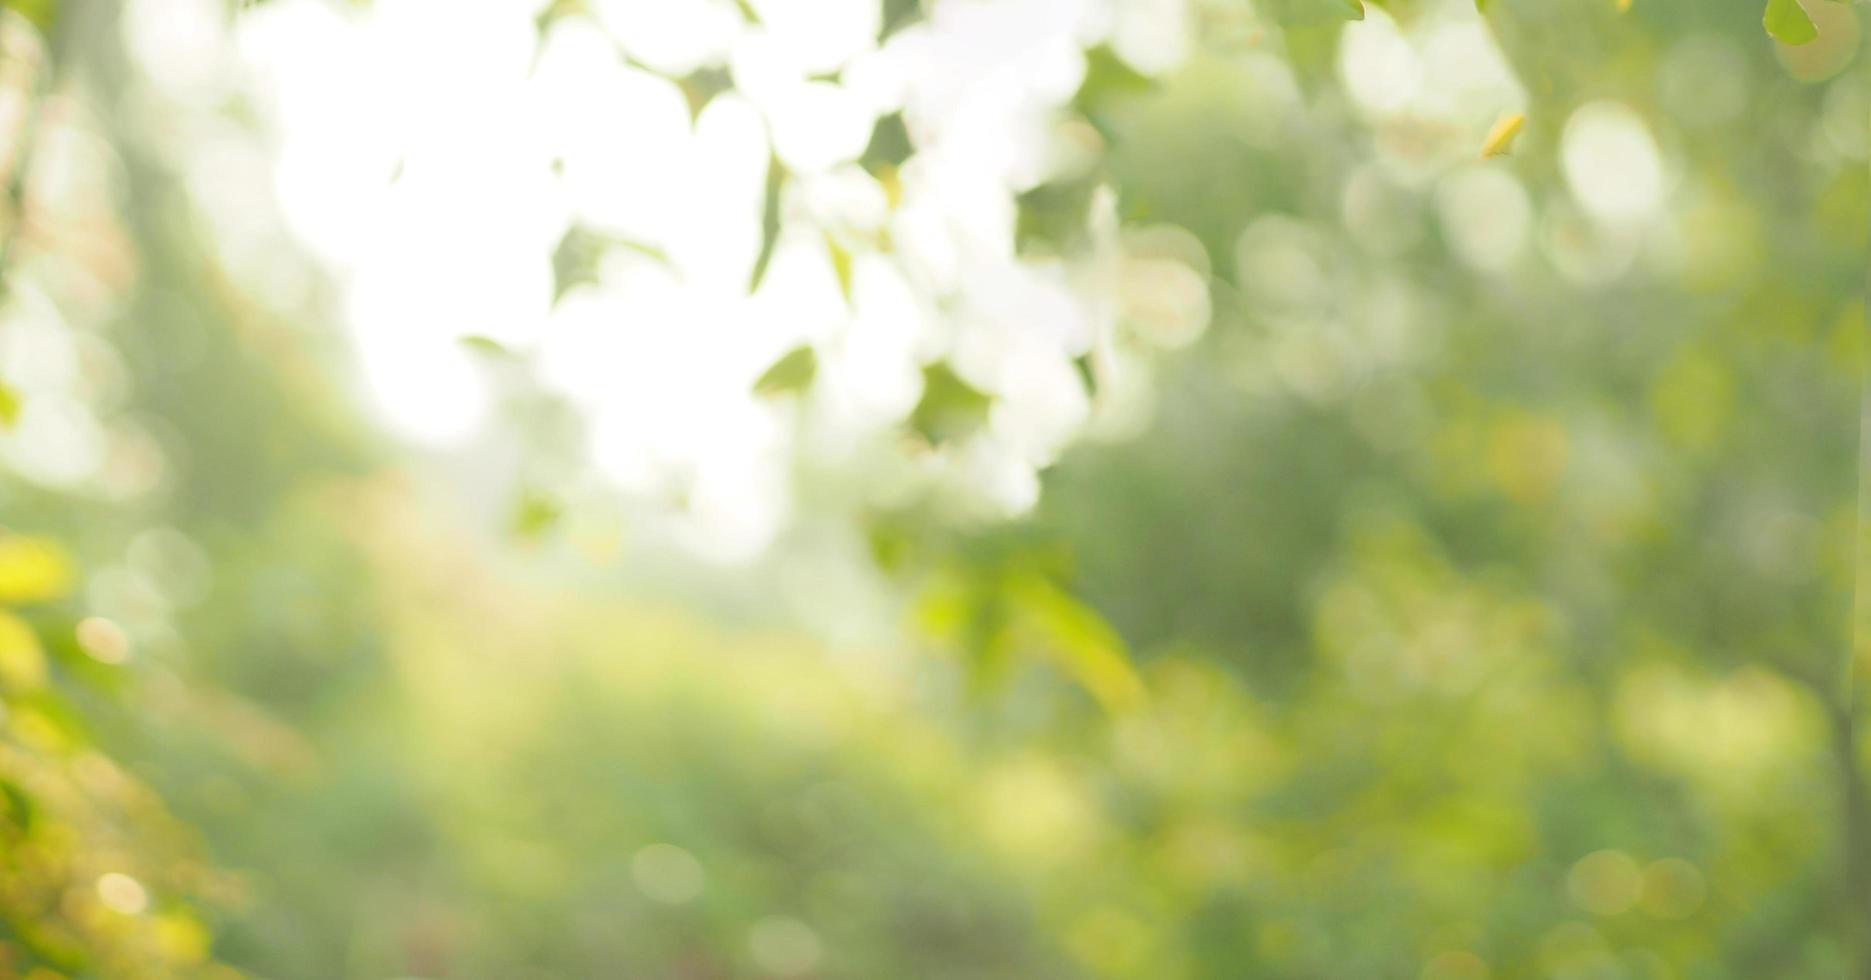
x=486 y=347
x=41 y=14
x=791 y=374
x=1788 y=23
x=889 y=145
x=1107 y=78
x=534 y=513
x=841 y=265
x=769 y=221
x=950 y=408
x=898 y=14
x=576 y=259
x=1313 y=13
x=96 y=877
x=702 y=85
x=1054 y=214
x=1438 y=619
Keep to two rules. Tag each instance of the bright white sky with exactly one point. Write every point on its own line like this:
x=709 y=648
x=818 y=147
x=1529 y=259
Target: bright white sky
x=431 y=158
x=431 y=155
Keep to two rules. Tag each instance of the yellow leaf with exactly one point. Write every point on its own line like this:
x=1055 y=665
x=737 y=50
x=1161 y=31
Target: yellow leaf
x=1501 y=138
x=32 y=569
x=42 y=731
x=182 y=937
x=892 y=184
x=22 y=663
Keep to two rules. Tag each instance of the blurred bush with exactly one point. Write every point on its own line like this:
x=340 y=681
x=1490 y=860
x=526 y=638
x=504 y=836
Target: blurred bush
x=1432 y=558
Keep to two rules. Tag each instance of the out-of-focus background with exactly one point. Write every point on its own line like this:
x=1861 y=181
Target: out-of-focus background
x=944 y=489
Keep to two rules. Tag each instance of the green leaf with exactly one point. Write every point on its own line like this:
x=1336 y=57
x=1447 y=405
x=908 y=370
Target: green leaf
x=791 y=373
x=1308 y=13
x=950 y=408
x=20 y=808
x=769 y=221
x=841 y=266
x=39 y=13
x=486 y=347
x=891 y=544
x=1079 y=640
x=1107 y=75
x=702 y=85
x=1087 y=372
x=575 y=261
x=1786 y=21
x=9 y=405
x=554 y=11
x=898 y=14
x=534 y=513
x=1055 y=214
x=889 y=146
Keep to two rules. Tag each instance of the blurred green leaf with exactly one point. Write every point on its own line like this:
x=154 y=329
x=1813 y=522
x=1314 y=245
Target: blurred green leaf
x=1787 y=22
x=791 y=374
x=1108 y=78
x=891 y=545
x=701 y=86
x=1055 y=214
x=534 y=513
x=9 y=405
x=1309 y=13
x=769 y=221
x=950 y=408
x=1087 y=369
x=487 y=347
x=39 y=13
x=20 y=810
x=898 y=14
x=889 y=145
x=581 y=251
x=551 y=12
x=1080 y=641
x=841 y=266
